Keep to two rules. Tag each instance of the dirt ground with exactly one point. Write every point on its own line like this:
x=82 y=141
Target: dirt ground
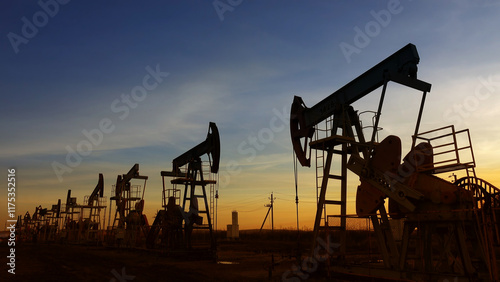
x=242 y=260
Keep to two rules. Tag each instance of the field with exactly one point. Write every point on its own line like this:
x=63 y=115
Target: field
x=265 y=256
x=279 y=255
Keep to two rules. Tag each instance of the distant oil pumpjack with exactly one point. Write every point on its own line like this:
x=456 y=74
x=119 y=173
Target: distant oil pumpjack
x=83 y=222
x=130 y=224
x=187 y=170
x=93 y=212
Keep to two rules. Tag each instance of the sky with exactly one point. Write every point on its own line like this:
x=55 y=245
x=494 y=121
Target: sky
x=91 y=87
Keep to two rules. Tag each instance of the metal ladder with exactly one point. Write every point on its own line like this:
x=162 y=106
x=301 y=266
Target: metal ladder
x=322 y=144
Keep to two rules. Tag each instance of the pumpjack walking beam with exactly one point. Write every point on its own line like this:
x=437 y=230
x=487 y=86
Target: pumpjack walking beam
x=98 y=191
x=211 y=147
x=400 y=67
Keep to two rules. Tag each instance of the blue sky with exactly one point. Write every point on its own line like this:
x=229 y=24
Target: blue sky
x=238 y=64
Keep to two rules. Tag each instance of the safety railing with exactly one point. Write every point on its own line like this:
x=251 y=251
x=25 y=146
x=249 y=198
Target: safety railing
x=135 y=192
x=98 y=202
x=451 y=150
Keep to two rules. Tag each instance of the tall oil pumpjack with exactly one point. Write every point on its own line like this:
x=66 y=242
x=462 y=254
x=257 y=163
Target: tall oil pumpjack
x=42 y=226
x=53 y=221
x=447 y=229
x=70 y=213
x=187 y=171
x=129 y=222
x=93 y=211
x=83 y=222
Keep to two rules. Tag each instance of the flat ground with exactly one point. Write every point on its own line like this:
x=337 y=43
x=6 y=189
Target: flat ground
x=242 y=260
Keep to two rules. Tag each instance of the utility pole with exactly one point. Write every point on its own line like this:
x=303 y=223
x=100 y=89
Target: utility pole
x=271 y=209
